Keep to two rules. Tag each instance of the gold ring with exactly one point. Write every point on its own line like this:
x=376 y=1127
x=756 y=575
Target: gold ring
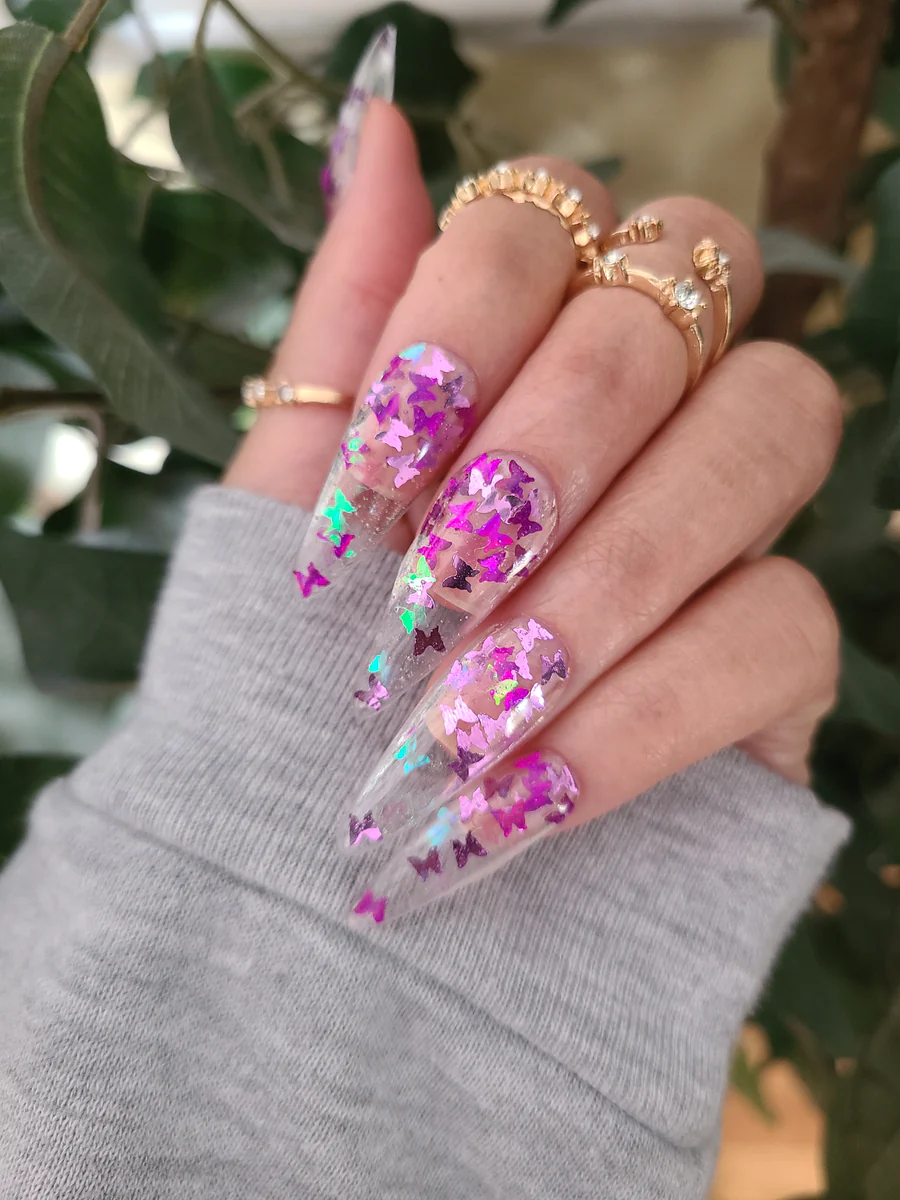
x=714 y=268
x=258 y=392
x=530 y=187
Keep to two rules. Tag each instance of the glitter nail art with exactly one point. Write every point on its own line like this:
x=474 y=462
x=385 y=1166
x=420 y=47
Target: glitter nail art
x=485 y=703
x=486 y=531
x=373 y=77
x=476 y=832
x=410 y=424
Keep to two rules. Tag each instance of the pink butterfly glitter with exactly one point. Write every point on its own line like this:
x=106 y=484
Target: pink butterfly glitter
x=534 y=700
x=348 y=454
x=507 y=817
x=394 y=434
x=491 y=568
x=402 y=463
x=555 y=667
x=387 y=411
x=490 y=531
x=366 y=828
x=474 y=737
x=313 y=578
x=533 y=633
x=440 y=364
x=374 y=696
x=422 y=393
x=458 y=675
x=522 y=518
x=518 y=478
x=500 y=664
x=341 y=546
x=432 y=641
x=530 y=762
x=494 y=728
x=469 y=806
x=563 y=808
x=460 y=520
x=423 y=423
x=452 y=389
x=471 y=845
x=431 y=862
x=466 y=759
x=522 y=665
x=463 y=573
x=452 y=716
x=516 y=696
x=435 y=546
x=375 y=905
x=494 y=787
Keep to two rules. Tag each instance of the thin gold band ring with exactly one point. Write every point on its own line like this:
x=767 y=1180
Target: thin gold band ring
x=258 y=392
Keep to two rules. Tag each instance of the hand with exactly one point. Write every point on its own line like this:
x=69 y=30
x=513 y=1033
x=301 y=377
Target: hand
x=640 y=628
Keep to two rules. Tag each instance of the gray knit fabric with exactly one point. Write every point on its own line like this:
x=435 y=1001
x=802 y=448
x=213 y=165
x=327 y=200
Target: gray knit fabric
x=184 y=1012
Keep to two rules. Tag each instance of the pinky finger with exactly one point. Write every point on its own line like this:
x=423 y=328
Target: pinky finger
x=752 y=661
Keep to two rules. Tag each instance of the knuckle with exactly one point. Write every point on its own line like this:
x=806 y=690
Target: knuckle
x=805 y=613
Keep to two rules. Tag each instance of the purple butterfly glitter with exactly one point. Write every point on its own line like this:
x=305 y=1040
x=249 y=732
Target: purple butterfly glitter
x=518 y=478
x=471 y=845
x=452 y=389
x=435 y=546
x=387 y=411
x=374 y=696
x=516 y=696
x=402 y=463
x=423 y=385
x=341 y=546
x=366 y=828
x=555 y=667
x=498 y=787
x=522 y=518
x=460 y=580
x=514 y=814
x=431 y=862
x=490 y=531
x=375 y=905
x=563 y=808
x=466 y=759
x=468 y=806
x=428 y=641
x=422 y=422
x=460 y=521
x=490 y=568
x=531 y=634
x=394 y=434
x=313 y=578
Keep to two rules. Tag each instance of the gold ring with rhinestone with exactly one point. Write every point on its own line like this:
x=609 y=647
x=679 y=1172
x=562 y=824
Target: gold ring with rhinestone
x=258 y=392
x=714 y=268
x=524 y=186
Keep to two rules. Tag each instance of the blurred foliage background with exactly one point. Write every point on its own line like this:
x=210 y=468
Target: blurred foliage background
x=134 y=297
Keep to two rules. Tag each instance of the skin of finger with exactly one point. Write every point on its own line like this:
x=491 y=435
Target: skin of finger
x=753 y=443
x=590 y=396
x=361 y=268
x=758 y=647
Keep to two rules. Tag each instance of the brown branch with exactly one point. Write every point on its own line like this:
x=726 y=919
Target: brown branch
x=79 y=28
x=816 y=147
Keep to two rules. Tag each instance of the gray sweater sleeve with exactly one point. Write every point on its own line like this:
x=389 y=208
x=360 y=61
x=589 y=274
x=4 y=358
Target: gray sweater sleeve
x=184 y=1012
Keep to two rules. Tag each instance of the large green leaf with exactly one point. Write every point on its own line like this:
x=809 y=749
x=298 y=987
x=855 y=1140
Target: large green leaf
x=870 y=692
x=56 y=14
x=239 y=73
x=65 y=254
x=82 y=611
x=276 y=180
x=21 y=777
x=888 y=486
x=873 y=316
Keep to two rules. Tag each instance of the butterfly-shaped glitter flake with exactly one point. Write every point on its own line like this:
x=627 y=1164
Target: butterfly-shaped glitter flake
x=490 y=531
x=501 y=666
x=414 y=352
x=312 y=578
x=433 y=549
x=498 y=787
x=522 y=665
x=531 y=703
x=364 y=829
x=483 y=476
x=440 y=830
x=472 y=804
x=502 y=690
x=471 y=845
x=402 y=464
x=512 y=815
x=422 y=423
x=428 y=641
x=440 y=365
x=460 y=519
x=517 y=478
x=431 y=862
x=340 y=543
x=394 y=434
x=466 y=759
x=453 y=714
x=419 y=580
x=494 y=728
x=537 y=799
x=459 y=674
x=460 y=579
x=406 y=752
x=375 y=695
x=515 y=697
x=334 y=512
x=423 y=389
x=554 y=666
x=522 y=518
x=561 y=811
x=386 y=410
x=531 y=634
x=353 y=451
x=491 y=568
x=370 y=903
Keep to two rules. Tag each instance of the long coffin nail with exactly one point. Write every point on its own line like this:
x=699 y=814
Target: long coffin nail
x=409 y=425
x=373 y=77
x=488 y=528
x=488 y=700
x=478 y=831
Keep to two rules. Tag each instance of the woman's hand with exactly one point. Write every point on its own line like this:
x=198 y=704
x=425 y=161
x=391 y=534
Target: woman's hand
x=611 y=526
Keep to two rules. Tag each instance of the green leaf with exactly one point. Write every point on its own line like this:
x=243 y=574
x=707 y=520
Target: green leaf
x=872 y=167
x=873 y=313
x=785 y=252
x=560 y=9
x=21 y=777
x=82 y=611
x=887 y=492
x=276 y=180
x=887 y=97
x=22 y=441
x=604 y=169
x=65 y=255
x=221 y=360
x=57 y=14
x=869 y=692
x=747 y=1080
x=238 y=73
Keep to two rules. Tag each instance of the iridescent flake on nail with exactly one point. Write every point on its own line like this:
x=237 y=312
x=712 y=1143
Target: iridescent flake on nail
x=478 y=831
x=408 y=427
x=489 y=527
x=487 y=701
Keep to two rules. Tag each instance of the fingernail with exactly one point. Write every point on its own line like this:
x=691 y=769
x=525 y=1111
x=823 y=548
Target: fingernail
x=488 y=528
x=474 y=834
x=409 y=426
x=373 y=78
x=484 y=704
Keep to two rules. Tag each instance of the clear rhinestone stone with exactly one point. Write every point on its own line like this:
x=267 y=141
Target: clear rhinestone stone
x=687 y=296
x=285 y=393
x=542 y=174
x=724 y=259
x=502 y=166
x=259 y=389
x=611 y=257
x=593 y=232
x=574 y=195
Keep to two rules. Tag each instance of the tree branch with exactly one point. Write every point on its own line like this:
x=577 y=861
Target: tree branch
x=82 y=23
x=816 y=148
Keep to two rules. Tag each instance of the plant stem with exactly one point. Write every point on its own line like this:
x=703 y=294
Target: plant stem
x=815 y=152
x=82 y=23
